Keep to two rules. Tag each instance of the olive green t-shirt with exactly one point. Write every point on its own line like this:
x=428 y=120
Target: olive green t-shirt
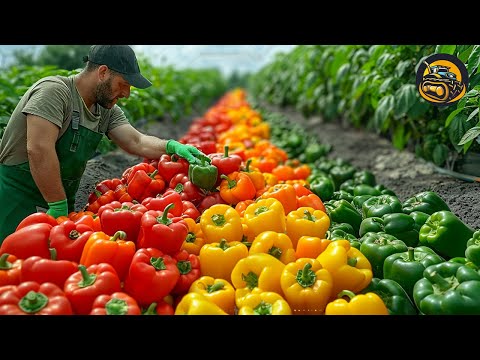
x=51 y=99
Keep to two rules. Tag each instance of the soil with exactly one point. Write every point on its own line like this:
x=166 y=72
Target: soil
x=400 y=171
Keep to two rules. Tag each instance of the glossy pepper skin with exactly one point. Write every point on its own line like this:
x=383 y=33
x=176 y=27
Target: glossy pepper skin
x=69 y=239
x=265 y=215
x=189 y=267
x=196 y=304
x=428 y=202
x=406 y=268
x=381 y=205
x=168 y=166
x=118 y=303
x=393 y=295
x=225 y=162
x=350 y=269
x=161 y=201
x=448 y=288
x=310 y=247
x=219 y=259
x=307 y=286
x=10 y=268
x=265 y=303
x=362 y=304
x=400 y=225
x=216 y=290
x=446 y=234
x=32 y=298
x=377 y=247
x=472 y=253
x=221 y=221
x=194 y=240
x=341 y=211
x=306 y=221
x=31 y=240
x=187 y=190
x=203 y=175
x=236 y=187
x=322 y=186
x=125 y=217
x=285 y=193
x=276 y=244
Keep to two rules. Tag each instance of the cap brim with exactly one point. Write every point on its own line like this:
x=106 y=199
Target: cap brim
x=137 y=80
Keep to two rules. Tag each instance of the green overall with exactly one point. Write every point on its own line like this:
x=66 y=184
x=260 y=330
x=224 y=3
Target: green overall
x=19 y=194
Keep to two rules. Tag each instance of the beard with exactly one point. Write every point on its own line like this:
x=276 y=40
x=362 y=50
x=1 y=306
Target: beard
x=103 y=94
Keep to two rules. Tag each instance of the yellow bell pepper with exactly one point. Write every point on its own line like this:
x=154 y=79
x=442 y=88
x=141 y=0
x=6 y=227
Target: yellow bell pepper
x=221 y=221
x=265 y=215
x=265 y=303
x=248 y=235
x=218 y=259
x=242 y=294
x=350 y=269
x=258 y=270
x=196 y=304
x=307 y=286
x=274 y=243
x=363 y=304
x=194 y=240
x=270 y=179
x=306 y=221
x=217 y=291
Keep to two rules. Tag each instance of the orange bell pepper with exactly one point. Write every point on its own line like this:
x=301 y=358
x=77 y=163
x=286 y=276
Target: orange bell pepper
x=221 y=221
x=265 y=215
x=305 y=197
x=256 y=176
x=283 y=172
x=274 y=243
x=194 y=240
x=264 y=164
x=362 y=304
x=242 y=205
x=236 y=187
x=218 y=259
x=10 y=269
x=217 y=291
x=310 y=246
x=306 y=221
x=285 y=193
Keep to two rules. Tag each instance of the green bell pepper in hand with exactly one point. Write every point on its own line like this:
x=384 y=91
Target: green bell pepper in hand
x=446 y=234
x=472 y=253
x=426 y=201
x=448 y=288
x=393 y=295
x=203 y=175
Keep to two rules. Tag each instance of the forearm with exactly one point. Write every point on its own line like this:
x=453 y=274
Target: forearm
x=150 y=147
x=45 y=169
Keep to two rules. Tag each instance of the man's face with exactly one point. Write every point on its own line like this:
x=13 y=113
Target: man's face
x=110 y=90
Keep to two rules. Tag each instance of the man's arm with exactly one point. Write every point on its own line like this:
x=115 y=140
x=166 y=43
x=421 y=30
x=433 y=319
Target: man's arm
x=44 y=165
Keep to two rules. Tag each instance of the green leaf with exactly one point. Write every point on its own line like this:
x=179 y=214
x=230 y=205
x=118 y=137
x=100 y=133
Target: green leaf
x=452 y=116
x=445 y=49
x=387 y=83
x=440 y=154
x=399 y=139
x=406 y=96
x=457 y=129
x=463 y=52
x=385 y=107
x=470 y=135
x=473 y=113
x=473 y=60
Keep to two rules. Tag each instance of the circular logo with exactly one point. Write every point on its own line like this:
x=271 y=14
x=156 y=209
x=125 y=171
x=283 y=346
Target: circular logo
x=442 y=79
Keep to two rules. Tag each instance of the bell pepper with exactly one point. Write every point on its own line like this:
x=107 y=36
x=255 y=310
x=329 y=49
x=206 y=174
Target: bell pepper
x=350 y=269
x=364 y=177
x=384 y=190
x=377 y=247
x=310 y=247
x=472 y=252
x=219 y=258
x=187 y=189
x=36 y=268
x=221 y=221
x=364 y=189
x=189 y=267
x=448 y=288
x=446 y=234
x=32 y=298
x=306 y=221
x=242 y=206
x=381 y=205
x=270 y=179
x=358 y=201
x=257 y=177
x=264 y=163
x=322 y=186
x=274 y=243
x=400 y=225
x=124 y=217
x=196 y=304
x=162 y=231
x=345 y=227
x=160 y=202
x=152 y=276
x=285 y=193
x=209 y=200
x=10 y=268
x=339 y=234
x=102 y=187
x=225 y=163
x=283 y=172
x=82 y=287
x=406 y=268
x=265 y=215
x=341 y=173
x=236 y=187
x=122 y=195
x=203 y=175
x=103 y=248
x=105 y=198
x=37 y=218
x=118 y=303
x=129 y=173
x=307 y=286
x=189 y=210
x=169 y=166
x=428 y=202
x=143 y=185
x=216 y=290
x=69 y=239
x=342 y=195
x=362 y=304
x=265 y=303
x=194 y=240
x=341 y=211
x=159 y=308
x=31 y=240
x=258 y=270
x=393 y=296
x=420 y=218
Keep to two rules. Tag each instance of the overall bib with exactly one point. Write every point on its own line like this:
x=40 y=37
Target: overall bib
x=19 y=194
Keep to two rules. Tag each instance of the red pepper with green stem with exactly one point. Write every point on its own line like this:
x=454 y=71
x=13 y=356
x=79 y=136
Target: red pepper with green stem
x=69 y=239
x=169 y=166
x=10 y=268
x=125 y=217
x=225 y=163
x=189 y=268
x=160 y=202
x=159 y=308
x=187 y=190
x=143 y=185
x=118 y=303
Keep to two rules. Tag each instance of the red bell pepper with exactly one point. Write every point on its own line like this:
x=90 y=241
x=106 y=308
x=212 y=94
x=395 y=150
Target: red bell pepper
x=162 y=231
x=160 y=308
x=28 y=241
x=169 y=166
x=83 y=286
x=187 y=190
x=69 y=239
x=32 y=298
x=125 y=217
x=189 y=267
x=102 y=187
x=207 y=147
x=225 y=163
x=105 y=198
x=190 y=210
x=210 y=200
x=41 y=270
x=37 y=218
x=122 y=195
x=160 y=202
x=143 y=185
x=10 y=268
x=118 y=303
x=152 y=276
x=130 y=172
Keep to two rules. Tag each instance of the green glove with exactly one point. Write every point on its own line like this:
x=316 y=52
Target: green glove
x=58 y=208
x=188 y=152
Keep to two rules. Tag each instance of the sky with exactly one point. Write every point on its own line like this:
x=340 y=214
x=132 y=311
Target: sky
x=227 y=58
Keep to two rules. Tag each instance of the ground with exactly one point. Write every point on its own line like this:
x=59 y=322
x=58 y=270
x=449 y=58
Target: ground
x=400 y=171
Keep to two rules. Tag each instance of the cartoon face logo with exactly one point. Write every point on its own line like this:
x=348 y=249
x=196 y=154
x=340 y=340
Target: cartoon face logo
x=442 y=79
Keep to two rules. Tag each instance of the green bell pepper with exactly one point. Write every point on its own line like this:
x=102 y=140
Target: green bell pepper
x=384 y=190
x=341 y=226
x=314 y=151
x=322 y=186
x=343 y=235
x=342 y=194
x=381 y=205
x=348 y=186
x=407 y=268
x=377 y=247
x=448 y=288
x=393 y=295
x=364 y=177
x=342 y=211
x=364 y=189
x=358 y=201
x=341 y=173
x=400 y=225
x=464 y=261
x=372 y=224
x=426 y=201
x=446 y=234
x=420 y=218
x=203 y=175
x=472 y=253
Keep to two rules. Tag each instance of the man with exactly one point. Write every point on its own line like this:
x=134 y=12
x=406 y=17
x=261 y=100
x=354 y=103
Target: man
x=56 y=128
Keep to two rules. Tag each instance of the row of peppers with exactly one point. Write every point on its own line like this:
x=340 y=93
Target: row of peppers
x=221 y=238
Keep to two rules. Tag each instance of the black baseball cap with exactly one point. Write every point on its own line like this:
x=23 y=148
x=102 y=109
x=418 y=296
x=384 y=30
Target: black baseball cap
x=120 y=58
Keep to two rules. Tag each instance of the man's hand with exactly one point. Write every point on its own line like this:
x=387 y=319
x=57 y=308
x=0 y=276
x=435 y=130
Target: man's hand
x=58 y=208
x=188 y=152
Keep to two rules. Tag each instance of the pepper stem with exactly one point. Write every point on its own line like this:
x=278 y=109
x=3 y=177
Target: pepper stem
x=225 y=153
x=119 y=235
x=184 y=266
x=306 y=277
x=215 y=287
x=438 y=280
x=231 y=183
x=33 y=302
x=347 y=293
x=218 y=219
x=251 y=279
x=151 y=309
x=53 y=253
x=116 y=307
x=309 y=216
x=275 y=252
x=263 y=308
x=87 y=278
x=4 y=264
x=158 y=263
x=164 y=218
x=411 y=254
x=223 y=244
